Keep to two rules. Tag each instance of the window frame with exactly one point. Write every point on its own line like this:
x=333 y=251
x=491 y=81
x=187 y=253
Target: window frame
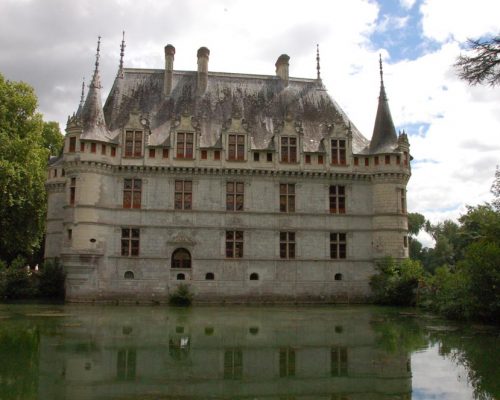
x=287 y=197
x=235 y=196
x=338 y=149
x=234 y=244
x=337 y=199
x=130 y=242
x=289 y=150
x=133 y=143
x=287 y=245
x=132 y=193
x=72 y=191
x=184 y=146
x=183 y=194
x=338 y=245
x=236 y=150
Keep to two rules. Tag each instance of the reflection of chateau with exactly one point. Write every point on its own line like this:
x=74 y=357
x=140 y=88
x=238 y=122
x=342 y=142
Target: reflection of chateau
x=249 y=187
x=220 y=353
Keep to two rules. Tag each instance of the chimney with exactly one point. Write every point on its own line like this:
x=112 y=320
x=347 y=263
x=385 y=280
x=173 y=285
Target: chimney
x=202 y=81
x=282 y=68
x=169 y=68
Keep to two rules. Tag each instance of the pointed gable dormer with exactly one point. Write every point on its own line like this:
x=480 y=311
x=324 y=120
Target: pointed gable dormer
x=384 y=138
x=94 y=125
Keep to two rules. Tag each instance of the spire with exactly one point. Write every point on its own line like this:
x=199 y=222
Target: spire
x=94 y=125
x=317 y=62
x=82 y=99
x=384 y=136
x=122 y=53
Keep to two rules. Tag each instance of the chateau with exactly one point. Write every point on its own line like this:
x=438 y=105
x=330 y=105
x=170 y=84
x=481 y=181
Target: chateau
x=248 y=188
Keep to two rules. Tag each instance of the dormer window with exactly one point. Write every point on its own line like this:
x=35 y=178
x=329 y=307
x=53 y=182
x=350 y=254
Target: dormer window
x=185 y=145
x=338 y=152
x=288 y=149
x=236 y=147
x=133 y=144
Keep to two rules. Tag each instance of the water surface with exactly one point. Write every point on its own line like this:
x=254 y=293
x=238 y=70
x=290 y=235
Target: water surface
x=273 y=353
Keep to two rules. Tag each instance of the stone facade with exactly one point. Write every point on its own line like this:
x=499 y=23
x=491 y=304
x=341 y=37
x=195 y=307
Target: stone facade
x=245 y=187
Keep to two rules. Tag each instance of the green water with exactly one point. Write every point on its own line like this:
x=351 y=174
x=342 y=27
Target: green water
x=280 y=353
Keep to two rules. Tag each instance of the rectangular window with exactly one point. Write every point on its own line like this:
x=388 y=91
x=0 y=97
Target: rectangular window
x=133 y=143
x=356 y=161
x=398 y=160
x=93 y=147
x=82 y=147
x=405 y=241
x=204 y=154
x=234 y=244
x=256 y=156
x=113 y=151
x=308 y=159
x=287 y=197
x=152 y=153
x=367 y=162
x=402 y=195
x=55 y=173
x=338 y=361
x=185 y=145
x=130 y=242
x=165 y=153
x=269 y=157
x=103 y=149
x=387 y=159
x=338 y=152
x=183 y=195
x=288 y=149
x=126 y=364
x=320 y=159
x=72 y=144
x=72 y=192
x=376 y=160
x=236 y=147
x=235 y=196
x=405 y=158
x=132 y=193
x=337 y=246
x=287 y=245
x=337 y=199
x=233 y=364
x=70 y=234
x=287 y=362
x=217 y=155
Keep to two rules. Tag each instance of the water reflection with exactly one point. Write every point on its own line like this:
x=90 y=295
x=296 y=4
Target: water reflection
x=75 y=352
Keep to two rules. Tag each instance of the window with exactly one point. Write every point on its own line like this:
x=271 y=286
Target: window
x=70 y=234
x=287 y=244
x=234 y=196
x=405 y=154
x=288 y=149
x=233 y=364
x=130 y=241
x=308 y=159
x=209 y=276
x=367 y=162
x=183 y=195
x=93 y=147
x=128 y=275
x=356 y=161
x=152 y=153
x=402 y=195
x=236 y=147
x=338 y=361
x=103 y=149
x=337 y=246
x=269 y=157
x=405 y=241
x=113 y=151
x=181 y=258
x=82 y=147
x=217 y=155
x=185 y=144
x=181 y=277
x=338 y=277
x=132 y=191
x=133 y=143
x=55 y=173
x=376 y=160
x=320 y=159
x=338 y=152
x=287 y=197
x=398 y=159
x=256 y=156
x=254 y=276
x=72 y=144
x=72 y=191
x=287 y=362
x=63 y=173
x=387 y=159
x=234 y=244
x=165 y=153
x=204 y=154
x=125 y=364
x=337 y=199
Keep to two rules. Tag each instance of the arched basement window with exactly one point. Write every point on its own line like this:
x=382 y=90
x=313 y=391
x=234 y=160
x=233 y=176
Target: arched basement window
x=254 y=276
x=181 y=277
x=181 y=258
x=209 y=276
x=338 y=277
x=129 y=275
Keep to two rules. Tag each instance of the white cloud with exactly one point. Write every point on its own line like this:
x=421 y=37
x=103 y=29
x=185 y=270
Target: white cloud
x=407 y=4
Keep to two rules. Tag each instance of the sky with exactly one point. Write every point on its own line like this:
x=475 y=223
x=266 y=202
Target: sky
x=454 y=129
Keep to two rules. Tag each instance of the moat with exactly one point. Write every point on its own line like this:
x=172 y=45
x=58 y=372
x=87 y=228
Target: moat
x=273 y=353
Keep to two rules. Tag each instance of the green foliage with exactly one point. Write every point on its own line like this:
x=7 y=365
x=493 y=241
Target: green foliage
x=182 y=296
x=17 y=283
x=53 y=140
x=495 y=190
x=416 y=222
x=51 y=280
x=396 y=283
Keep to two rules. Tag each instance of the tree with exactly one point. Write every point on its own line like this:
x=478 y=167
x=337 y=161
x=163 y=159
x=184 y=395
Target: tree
x=495 y=189
x=482 y=66
x=23 y=160
x=53 y=140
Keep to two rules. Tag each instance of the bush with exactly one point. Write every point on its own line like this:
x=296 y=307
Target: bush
x=51 y=280
x=17 y=283
x=181 y=296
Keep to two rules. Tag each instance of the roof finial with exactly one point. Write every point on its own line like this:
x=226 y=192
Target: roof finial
x=82 y=98
x=97 y=53
x=122 y=53
x=317 y=62
x=381 y=70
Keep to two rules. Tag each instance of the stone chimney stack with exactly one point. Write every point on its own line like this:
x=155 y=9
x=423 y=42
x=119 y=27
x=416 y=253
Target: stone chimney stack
x=169 y=69
x=282 y=68
x=202 y=79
